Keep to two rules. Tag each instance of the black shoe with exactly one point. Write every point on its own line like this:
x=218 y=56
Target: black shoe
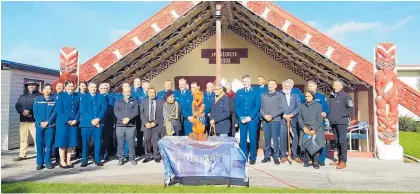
x=316 y=165
x=49 y=166
x=146 y=160
x=99 y=164
x=70 y=166
x=306 y=164
x=83 y=164
x=18 y=159
x=157 y=160
x=321 y=163
x=39 y=167
x=61 y=166
x=276 y=161
x=265 y=160
x=252 y=162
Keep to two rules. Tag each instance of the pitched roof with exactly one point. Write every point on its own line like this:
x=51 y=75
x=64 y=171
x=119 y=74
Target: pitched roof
x=128 y=43
x=269 y=11
x=31 y=68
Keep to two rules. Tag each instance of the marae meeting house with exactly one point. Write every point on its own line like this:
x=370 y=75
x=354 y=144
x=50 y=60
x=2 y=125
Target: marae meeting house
x=214 y=41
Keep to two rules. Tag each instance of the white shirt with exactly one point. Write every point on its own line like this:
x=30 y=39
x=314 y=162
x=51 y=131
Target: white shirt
x=287 y=98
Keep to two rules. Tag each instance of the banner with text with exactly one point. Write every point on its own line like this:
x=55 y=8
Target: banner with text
x=216 y=157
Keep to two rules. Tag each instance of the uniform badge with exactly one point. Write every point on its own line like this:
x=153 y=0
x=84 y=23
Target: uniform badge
x=350 y=103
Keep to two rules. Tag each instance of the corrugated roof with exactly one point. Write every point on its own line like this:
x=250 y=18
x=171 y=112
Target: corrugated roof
x=26 y=67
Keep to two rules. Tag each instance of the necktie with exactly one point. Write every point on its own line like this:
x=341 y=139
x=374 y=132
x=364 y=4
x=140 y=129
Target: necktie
x=152 y=111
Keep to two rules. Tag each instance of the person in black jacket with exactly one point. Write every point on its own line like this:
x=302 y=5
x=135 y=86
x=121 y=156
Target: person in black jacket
x=24 y=107
x=126 y=110
x=341 y=108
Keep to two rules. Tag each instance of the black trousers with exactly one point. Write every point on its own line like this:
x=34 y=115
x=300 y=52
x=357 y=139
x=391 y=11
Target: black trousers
x=151 y=137
x=313 y=158
x=233 y=122
x=107 y=139
x=139 y=135
x=340 y=136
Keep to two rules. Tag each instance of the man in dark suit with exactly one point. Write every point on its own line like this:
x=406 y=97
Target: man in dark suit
x=152 y=124
x=291 y=106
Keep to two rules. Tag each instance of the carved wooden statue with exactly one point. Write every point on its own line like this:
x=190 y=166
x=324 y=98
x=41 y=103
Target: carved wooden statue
x=198 y=117
x=69 y=63
x=386 y=85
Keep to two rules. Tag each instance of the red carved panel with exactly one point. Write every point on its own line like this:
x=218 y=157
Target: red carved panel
x=146 y=34
x=318 y=43
x=256 y=6
x=106 y=58
x=182 y=7
x=164 y=21
x=127 y=47
x=69 y=62
x=364 y=70
x=275 y=19
x=341 y=58
x=410 y=98
x=296 y=32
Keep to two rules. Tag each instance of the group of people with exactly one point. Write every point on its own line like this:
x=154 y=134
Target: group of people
x=130 y=123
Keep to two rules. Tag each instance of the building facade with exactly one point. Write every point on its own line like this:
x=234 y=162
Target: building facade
x=13 y=77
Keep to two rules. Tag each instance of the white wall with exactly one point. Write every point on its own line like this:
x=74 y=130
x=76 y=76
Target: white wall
x=16 y=85
x=5 y=97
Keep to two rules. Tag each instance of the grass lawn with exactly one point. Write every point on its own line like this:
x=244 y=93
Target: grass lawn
x=36 y=187
x=410 y=141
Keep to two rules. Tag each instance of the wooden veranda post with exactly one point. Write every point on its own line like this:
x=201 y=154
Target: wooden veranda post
x=218 y=18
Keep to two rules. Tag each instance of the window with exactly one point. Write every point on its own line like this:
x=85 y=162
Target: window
x=40 y=82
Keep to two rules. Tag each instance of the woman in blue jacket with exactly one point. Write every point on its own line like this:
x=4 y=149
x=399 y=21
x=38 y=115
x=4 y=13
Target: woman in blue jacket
x=44 y=113
x=67 y=108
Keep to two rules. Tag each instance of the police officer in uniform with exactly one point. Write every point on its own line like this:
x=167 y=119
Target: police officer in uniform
x=168 y=86
x=184 y=98
x=247 y=106
x=66 y=138
x=341 y=108
x=45 y=115
x=92 y=111
x=109 y=120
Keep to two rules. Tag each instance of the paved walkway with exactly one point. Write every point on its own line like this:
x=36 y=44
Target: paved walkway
x=361 y=174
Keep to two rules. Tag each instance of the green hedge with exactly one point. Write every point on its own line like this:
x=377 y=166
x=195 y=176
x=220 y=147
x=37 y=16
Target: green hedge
x=408 y=124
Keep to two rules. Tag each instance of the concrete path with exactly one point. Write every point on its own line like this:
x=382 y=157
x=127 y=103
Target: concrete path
x=361 y=174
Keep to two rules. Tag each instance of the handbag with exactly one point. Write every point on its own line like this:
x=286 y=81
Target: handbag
x=311 y=146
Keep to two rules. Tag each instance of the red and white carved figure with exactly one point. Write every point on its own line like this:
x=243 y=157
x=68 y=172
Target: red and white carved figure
x=386 y=85
x=69 y=63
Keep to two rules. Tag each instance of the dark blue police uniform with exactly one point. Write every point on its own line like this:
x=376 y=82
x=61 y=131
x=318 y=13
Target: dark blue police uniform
x=92 y=106
x=44 y=111
x=67 y=108
x=247 y=104
x=108 y=129
x=161 y=94
x=208 y=101
x=321 y=99
x=184 y=98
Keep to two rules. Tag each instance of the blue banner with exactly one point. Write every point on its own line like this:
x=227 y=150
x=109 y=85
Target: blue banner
x=216 y=157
